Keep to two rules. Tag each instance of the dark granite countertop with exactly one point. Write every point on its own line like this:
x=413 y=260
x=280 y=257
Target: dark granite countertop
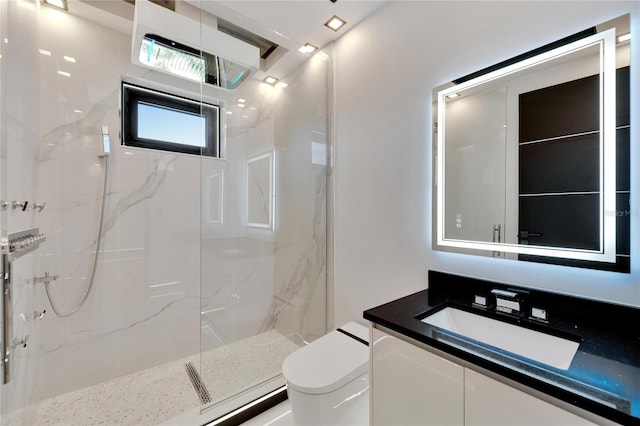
x=604 y=376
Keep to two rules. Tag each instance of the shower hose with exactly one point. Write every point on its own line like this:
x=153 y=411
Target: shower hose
x=95 y=257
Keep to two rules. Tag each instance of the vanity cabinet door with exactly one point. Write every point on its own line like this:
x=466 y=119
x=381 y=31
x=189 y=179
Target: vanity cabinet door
x=410 y=386
x=491 y=403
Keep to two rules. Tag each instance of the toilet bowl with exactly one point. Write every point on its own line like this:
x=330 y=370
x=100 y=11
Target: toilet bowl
x=328 y=381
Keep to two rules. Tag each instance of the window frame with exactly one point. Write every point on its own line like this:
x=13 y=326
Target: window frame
x=132 y=95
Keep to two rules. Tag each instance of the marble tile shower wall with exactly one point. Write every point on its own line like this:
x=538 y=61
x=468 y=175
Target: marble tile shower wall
x=18 y=184
x=290 y=253
x=158 y=246
x=131 y=320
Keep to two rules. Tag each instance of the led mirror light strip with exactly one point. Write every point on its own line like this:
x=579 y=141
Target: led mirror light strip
x=606 y=41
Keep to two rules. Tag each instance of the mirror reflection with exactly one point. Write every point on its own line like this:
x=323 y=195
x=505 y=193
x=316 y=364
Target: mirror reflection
x=532 y=158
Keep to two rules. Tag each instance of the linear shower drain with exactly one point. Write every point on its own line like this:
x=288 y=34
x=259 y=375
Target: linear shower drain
x=198 y=385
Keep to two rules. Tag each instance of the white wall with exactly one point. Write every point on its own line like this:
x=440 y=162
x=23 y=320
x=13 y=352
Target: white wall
x=386 y=68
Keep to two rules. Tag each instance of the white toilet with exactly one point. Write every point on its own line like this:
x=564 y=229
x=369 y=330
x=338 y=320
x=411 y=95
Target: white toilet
x=327 y=380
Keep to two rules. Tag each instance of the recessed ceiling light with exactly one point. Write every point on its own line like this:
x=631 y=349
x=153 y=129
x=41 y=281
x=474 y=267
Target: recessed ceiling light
x=282 y=85
x=253 y=108
x=308 y=49
x=66 y=74
x=270 y=80
x=335 y=23
x=229 y=112
x=70 y=59
x=241 y=105
x=77 y=111
x=241 y=101
x=453 y=95
x=60 y=4
x=624 y=37
x=44 y=52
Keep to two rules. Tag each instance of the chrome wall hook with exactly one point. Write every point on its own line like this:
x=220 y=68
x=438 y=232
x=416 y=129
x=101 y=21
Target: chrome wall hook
x=39 y=206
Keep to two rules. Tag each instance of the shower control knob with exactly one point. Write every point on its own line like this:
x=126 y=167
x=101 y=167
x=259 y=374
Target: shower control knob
x=39 y=206
x=19 y=204
x=39 y=315
x=18 y=342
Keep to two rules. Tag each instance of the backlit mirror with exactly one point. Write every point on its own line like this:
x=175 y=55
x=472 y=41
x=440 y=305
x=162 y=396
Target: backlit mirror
x=532 y=155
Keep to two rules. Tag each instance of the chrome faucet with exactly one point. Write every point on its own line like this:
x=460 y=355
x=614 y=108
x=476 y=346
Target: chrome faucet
x=507 y=301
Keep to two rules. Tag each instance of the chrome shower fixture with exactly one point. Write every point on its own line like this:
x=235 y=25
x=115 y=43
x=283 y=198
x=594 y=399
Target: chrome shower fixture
x=19 y=204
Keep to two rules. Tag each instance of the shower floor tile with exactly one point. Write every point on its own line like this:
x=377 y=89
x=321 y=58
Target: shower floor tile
x=154 y=395
x=243 y=364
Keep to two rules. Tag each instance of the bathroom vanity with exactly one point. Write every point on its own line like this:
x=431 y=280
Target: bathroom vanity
x=471 y=352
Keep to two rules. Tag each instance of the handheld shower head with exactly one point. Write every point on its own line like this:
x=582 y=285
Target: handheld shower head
x=106 y=143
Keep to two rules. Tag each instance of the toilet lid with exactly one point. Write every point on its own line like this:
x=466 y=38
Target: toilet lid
x=329 y=362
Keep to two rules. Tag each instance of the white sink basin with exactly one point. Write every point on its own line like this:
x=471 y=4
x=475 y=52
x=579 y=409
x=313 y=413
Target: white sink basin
x=547 y=349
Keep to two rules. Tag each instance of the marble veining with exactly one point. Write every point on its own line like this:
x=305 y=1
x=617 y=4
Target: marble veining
x=146 y=191
x=66 y=343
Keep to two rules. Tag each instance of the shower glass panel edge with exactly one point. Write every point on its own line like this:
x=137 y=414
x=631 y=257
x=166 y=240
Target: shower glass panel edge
x=3 y=179
x=263 y=233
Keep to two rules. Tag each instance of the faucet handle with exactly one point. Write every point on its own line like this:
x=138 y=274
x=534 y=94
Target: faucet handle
x=539 y=314
x=479 y=301
x=19 y=204
x=20 y=342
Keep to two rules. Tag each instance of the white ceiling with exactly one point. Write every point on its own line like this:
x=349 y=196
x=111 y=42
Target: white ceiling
x=289 y=23
x=302 y=21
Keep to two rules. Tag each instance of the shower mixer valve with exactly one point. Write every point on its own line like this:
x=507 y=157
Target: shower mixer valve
x=45 y=280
